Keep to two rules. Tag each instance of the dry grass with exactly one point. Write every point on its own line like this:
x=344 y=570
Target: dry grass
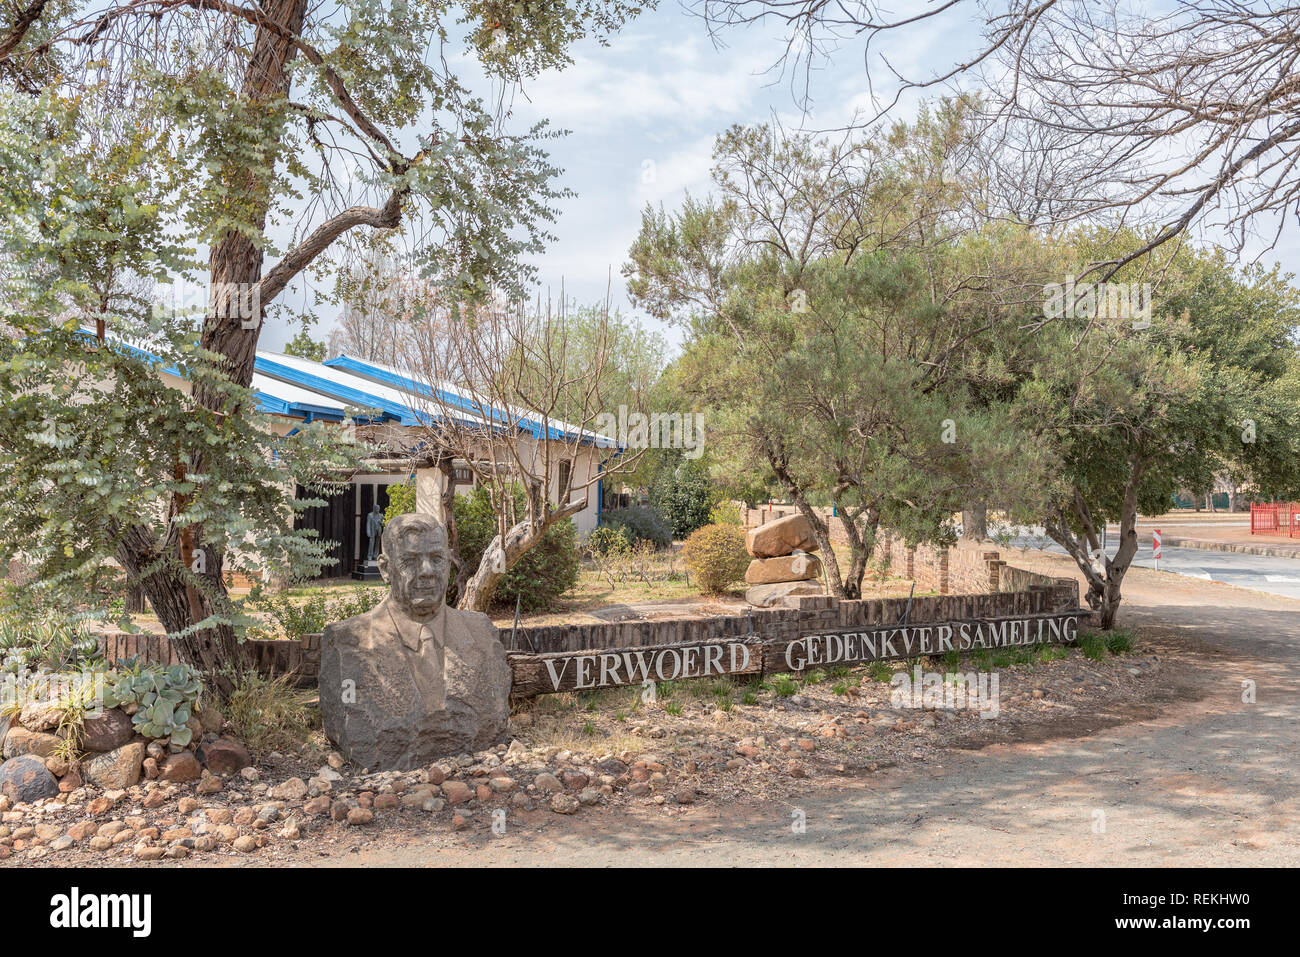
x=270 y=714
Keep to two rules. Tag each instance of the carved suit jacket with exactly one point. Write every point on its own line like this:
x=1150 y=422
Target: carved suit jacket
x=396 y=694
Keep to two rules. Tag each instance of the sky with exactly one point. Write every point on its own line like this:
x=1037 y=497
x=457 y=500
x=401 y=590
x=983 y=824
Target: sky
x=643 y=113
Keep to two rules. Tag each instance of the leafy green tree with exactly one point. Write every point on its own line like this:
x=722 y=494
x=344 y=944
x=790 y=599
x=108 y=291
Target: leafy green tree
x=830 y=330
x=304 y=346
x=1133 y=412
x=134 y=131
x=686 y=498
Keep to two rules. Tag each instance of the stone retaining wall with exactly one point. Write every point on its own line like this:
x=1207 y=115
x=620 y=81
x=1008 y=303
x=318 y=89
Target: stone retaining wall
x=300 y=657
x=819 y=613
x=1017 y=592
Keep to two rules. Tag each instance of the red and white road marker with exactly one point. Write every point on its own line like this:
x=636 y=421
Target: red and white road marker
x=1155 y=547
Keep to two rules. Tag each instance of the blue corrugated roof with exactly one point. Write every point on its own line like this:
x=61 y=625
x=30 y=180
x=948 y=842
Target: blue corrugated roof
x=448 y=396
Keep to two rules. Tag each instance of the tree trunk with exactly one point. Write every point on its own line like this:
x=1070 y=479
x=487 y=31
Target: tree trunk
x=502 y=555
x=230 y=329
x=780 y=467
x=1103 y=595
x=178 y=605
x=861 y=540
x=975 y=523
x=135 y=603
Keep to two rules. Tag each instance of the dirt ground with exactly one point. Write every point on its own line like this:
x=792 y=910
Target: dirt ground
x=1183 y=772
x=1147 y=757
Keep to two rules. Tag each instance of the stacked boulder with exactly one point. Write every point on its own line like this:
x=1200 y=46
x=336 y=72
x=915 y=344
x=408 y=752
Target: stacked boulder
x=36 y=762
x=782 y=565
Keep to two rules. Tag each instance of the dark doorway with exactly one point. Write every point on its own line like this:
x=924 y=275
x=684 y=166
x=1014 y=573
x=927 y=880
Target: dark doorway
x=334 y=522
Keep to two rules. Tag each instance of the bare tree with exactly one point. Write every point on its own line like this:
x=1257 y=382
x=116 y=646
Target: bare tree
x=383 y=299
x=501 y=378
x=1186 y=116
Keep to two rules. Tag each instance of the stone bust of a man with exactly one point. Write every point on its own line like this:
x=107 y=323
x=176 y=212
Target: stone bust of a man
x=412 y=680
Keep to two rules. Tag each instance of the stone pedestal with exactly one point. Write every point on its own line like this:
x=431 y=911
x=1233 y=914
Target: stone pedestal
x=367 y=572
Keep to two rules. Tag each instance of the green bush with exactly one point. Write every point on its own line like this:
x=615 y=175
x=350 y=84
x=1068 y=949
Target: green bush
x=726 y=513
x=401 y=501
x=684 y=500
x=639 y=523
x=716 y=555
x=546 y=571
x=293 y=618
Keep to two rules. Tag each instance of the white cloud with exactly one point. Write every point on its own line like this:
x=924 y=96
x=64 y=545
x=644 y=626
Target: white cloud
x=666 y=179
x=671 y=84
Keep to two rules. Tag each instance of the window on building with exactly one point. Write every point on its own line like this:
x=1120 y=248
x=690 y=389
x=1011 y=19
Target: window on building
x=562 y=489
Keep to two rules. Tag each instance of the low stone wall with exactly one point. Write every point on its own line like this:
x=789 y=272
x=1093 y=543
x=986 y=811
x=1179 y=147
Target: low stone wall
x=1019 y=592
x=821 y=613
x=301 y=657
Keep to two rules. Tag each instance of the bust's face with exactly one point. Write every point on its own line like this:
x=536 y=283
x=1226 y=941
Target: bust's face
x=417 y=572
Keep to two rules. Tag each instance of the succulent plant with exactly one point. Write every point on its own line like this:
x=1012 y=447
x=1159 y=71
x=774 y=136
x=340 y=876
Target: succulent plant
x=165 y=698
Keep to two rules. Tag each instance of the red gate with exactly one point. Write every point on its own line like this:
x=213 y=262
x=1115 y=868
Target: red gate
x=1275 y=518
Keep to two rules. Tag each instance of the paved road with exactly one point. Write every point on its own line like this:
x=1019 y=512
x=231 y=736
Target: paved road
x=1212 y=781
x=1277 y=576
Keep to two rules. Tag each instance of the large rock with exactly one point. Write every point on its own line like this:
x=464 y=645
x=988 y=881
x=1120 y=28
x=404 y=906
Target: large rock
x=769 y=596
x=40 y=716
x=781 y=537
x=787 y=568
x=117 y=769
x=224 y=756
x=411 y=680
x=210 y=719
x=180 y=768
x=22 y=741
x=25 y=778
x=107 y=731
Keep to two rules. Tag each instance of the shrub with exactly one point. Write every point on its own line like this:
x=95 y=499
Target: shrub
x=542 y=575
x=606 y=541
x=401 y=501
x=639 y=523
x=40 y=629
x=293 y=618
x=611 y=554
x=726 y=513
x=716 y=555
x=685 y=498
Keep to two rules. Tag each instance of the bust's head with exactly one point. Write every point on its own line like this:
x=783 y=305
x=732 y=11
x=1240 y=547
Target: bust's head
x=414 y=562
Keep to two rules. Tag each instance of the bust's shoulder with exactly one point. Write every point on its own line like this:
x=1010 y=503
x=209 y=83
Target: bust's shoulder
x=472 y=622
